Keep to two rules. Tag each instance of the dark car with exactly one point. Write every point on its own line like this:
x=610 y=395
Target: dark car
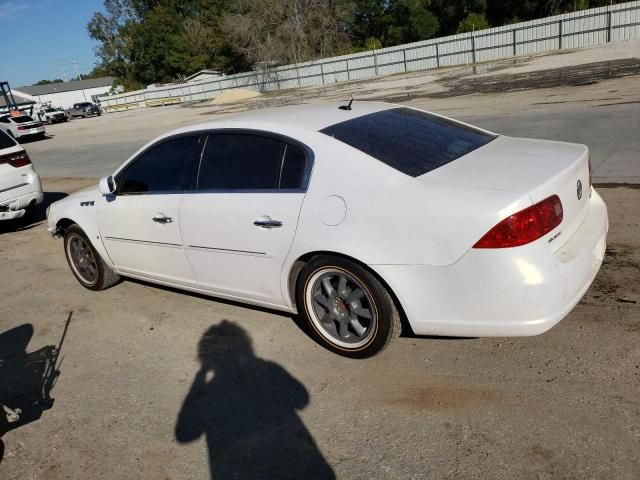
x=84 y=109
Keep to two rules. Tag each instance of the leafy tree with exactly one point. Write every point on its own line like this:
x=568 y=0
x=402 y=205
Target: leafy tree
x=372 y=43
x=47 y=82
x=111 y=30
x=472 y=22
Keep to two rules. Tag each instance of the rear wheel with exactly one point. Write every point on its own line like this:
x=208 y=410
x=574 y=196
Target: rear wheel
x=346 y=307
x=85 y=262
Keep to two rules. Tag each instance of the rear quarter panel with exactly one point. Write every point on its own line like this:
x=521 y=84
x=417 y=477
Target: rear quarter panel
x=392 y=218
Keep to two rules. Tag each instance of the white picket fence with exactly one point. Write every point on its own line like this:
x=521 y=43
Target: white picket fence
x=571 y=30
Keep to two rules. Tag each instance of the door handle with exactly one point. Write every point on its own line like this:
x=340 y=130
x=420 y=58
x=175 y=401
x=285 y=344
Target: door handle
x=267 y=222
x=161 y=218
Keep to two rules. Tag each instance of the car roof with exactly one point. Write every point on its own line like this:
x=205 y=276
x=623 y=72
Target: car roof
x=312 y=116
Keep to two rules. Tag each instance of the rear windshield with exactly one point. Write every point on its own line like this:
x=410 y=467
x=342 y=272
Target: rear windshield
x=6 y=141
x=23 y=119
x=411 y=141
x=81 y=105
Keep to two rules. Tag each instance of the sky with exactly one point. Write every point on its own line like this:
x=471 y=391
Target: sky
x=38 y=36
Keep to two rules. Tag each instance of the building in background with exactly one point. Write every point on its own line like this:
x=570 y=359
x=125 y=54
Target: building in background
x=65 y=94
x=203 y=75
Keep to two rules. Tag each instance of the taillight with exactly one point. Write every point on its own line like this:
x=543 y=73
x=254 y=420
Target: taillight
x=20 y=159
x=21 y=127
x=525 y=226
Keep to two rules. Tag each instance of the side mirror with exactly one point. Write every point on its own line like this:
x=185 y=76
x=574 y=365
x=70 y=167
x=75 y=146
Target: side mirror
x=107 y=186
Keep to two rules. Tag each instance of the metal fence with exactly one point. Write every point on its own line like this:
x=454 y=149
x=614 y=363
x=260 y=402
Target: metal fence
x=571 y=30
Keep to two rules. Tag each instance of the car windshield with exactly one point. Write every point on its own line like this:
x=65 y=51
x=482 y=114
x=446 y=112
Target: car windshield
x=22 y=119
x=411 y=141
x=49 y=110
x=82 y=105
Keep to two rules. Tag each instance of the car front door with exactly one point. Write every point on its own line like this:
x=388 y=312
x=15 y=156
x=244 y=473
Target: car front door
x=140 y=224
x=239 y=222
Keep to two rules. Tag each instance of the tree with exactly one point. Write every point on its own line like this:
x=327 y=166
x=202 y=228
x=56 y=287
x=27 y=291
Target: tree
x=110 y=29
x=47 y=82
x=273 y=32
x=472 y=22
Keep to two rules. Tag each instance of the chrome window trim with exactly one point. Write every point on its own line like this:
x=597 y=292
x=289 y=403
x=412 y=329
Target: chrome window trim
x=309 y=156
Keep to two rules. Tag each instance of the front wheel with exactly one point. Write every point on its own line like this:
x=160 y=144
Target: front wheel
x=85 y=262
x=349 y=311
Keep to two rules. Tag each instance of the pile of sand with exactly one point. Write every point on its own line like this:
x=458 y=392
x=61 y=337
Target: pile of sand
x=234 y=95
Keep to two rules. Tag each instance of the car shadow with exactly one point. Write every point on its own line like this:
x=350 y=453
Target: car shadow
x=247 y=410
x=26 y=141
x=26 y=378
x=31 y=218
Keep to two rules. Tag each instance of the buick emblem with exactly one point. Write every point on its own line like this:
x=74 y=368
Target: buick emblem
x=579 y=189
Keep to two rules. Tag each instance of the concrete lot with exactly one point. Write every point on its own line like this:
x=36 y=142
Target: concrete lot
x=147 y=371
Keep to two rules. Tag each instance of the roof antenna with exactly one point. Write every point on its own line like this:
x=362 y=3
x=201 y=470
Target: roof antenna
x=347 y=106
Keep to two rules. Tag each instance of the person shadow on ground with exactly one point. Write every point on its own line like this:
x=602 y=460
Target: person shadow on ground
x=26 y=378
x=247 y=409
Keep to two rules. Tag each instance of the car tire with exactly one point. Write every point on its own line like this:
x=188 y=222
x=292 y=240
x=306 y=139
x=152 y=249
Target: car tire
x=345 y=307
x=85 y=262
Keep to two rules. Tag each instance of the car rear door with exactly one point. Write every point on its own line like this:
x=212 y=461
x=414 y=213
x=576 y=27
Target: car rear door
x=239 y=222
x=140 y=224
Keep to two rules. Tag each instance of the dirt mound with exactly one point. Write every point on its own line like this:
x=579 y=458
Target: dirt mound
x=234 y=95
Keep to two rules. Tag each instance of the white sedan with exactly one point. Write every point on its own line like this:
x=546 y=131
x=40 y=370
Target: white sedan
x=21 y=126
x=359 y=219
x=20 y=187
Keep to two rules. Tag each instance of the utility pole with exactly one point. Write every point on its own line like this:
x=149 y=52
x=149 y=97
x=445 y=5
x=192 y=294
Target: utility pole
x=73 y=63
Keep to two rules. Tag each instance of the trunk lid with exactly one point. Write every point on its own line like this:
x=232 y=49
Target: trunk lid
x=536 y=168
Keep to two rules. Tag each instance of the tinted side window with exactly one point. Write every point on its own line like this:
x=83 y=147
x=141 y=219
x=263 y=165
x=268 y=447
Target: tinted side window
x=411 y=141
x=293 y=168
x=160 y=169
x=238 y=161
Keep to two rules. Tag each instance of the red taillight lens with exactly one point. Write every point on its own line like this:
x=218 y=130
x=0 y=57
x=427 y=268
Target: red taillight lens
x=21 y=127
x=16 y=160
x=525 y=226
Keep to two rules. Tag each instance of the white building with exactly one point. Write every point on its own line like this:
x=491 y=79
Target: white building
x=65 y=94
x=204 y=75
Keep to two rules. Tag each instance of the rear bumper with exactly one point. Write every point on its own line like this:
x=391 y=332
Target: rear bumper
x=32 y=132
x=504 y=292
x=13 y=202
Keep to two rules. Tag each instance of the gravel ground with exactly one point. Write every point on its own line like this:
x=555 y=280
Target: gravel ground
x=561 y=405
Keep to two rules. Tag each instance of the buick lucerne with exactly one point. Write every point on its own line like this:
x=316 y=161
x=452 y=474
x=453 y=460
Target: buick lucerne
x=359 y=218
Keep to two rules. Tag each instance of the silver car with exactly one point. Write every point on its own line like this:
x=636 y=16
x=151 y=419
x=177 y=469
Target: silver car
x=22 y=126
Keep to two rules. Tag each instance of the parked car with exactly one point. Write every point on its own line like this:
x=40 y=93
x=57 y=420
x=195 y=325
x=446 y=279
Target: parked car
x=84 y=109
x=21 y=127
x=353 y=217
x=50 y=115
x=20 y=187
